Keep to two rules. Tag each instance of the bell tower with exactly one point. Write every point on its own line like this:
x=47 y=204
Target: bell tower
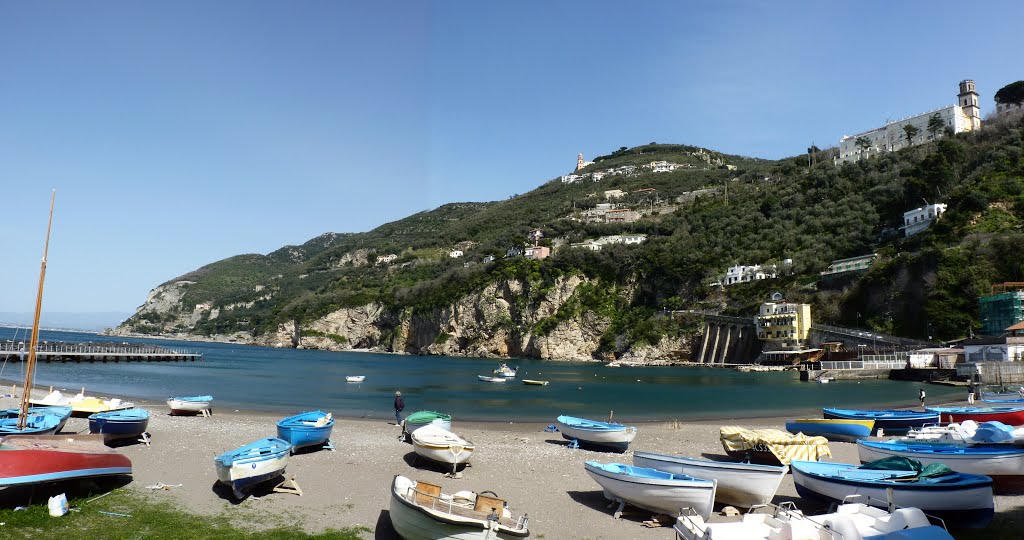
x=579 y=161
x=968 y=101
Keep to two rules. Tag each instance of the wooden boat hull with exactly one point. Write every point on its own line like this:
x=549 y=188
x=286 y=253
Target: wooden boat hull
x=36 y=459
x=965 y=500
x=301 y=430
x=114 y=426
x=188 y=406
x=442 y=446
x=989 y=460
x=597 y=434
x=242 y=472
x=664 y=496
x=414 y=521
x=739 y=484
x=833 y=429
x=889 y=421
x=1011 y=416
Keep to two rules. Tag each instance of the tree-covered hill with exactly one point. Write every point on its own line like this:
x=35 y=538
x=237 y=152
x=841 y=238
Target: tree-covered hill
x=712 y=212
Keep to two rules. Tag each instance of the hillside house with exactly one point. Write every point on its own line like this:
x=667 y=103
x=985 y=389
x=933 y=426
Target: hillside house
x=623 y=215
x=571 y=178
x=744 y=274
x=627 y=239
x=587 y=244
x=784 y=322
x=535 y=235
x=919 y=219
x=860 y=263
x=1009 y=100
x=514 y=251
x=537 y=252
x=455 y=253
x=1007 y=348
x=488 y=258
x=386 y=259
x=964 y=116
x=662 y=166
x=614 y=194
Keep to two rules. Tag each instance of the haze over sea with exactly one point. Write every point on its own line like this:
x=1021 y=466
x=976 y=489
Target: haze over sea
x=287 y=380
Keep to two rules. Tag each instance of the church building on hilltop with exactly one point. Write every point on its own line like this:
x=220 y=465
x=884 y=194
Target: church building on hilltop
x=964 y=116
x=580 y=163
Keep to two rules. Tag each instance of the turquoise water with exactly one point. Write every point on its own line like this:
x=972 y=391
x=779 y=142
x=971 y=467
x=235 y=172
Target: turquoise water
x=287 y=380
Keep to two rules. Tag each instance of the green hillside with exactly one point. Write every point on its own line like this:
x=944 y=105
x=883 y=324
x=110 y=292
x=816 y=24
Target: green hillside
x=754 y=212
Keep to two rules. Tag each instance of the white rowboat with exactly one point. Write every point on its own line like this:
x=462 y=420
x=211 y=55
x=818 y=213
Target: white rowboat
x=657 y=491
x=440 y=445
x=739 y=484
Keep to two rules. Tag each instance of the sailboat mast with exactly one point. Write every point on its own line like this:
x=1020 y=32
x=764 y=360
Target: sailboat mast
x=30 y=368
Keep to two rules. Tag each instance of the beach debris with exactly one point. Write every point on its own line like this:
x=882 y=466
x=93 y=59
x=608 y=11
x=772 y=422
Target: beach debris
x=659 y=520
x=58 y=505
x=163 y=486
x=118 y=514
x=730 y=511
x=16 y=508
x=455 y=475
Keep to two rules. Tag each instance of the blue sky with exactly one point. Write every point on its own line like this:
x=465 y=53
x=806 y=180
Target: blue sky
x=177 y=134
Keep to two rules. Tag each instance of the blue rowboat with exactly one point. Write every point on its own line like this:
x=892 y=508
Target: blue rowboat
x=36 y=423
x=121 y=424
x=963 y=499
x=63 y=411
x=252 y=464
x=1003 y=397
x=891 y=420
x=658 y=491
x=833 y=429
x=591 y=432
x=306 y=429
x=190 y=404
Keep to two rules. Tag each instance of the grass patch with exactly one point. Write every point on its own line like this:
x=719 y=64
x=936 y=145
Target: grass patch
x=142 y=518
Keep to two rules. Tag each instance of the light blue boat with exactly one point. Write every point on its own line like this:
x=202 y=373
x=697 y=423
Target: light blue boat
x=120 y=424
x=36 y=423
x=594 y=433
x=658 y=491
x=995 y=460
x=963 y=499
x=833 y=429
x=63 y=411
x=252 y=464
x=306 y=429
x=888 y=420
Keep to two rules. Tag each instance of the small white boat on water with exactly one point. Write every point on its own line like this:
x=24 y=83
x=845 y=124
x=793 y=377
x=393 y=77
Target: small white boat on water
x=419 y=511
x=440 y=445
x=854 y=521
x=739 y=484
x=189 y=405
x=654 y=490
x=505 y=371
x=487 y=378
x=355 y=378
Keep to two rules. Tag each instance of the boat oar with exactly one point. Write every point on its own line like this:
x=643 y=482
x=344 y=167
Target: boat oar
x=455 y=449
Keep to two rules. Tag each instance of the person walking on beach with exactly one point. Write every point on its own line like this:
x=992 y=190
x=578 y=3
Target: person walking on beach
x=920 y=396
x=399 y=406
x=970 y=392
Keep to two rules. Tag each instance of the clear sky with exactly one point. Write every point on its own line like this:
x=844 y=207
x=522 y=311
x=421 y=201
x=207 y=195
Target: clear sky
x=180 y=133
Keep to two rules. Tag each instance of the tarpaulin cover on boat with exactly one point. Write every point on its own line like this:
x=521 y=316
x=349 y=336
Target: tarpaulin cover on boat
x=784 y=446
x=900 y=463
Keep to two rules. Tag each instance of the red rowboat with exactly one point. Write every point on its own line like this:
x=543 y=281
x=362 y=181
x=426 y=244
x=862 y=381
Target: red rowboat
x=1011 y=416
x=35 y=459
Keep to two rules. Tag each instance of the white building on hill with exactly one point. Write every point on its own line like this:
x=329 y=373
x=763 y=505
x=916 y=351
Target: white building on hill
x=964 y=116
x=921 y=218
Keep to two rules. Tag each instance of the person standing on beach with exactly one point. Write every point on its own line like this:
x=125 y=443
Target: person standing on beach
x=920 y=396
x=399 y=406
x=970 y=392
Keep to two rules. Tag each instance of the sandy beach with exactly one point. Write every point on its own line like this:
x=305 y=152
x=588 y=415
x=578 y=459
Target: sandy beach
x=532 y=469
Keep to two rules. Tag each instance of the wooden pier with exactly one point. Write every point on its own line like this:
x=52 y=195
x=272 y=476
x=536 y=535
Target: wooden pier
x=16 y=351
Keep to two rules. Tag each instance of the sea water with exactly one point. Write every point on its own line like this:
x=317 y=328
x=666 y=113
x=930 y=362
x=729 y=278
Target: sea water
x=291 y=381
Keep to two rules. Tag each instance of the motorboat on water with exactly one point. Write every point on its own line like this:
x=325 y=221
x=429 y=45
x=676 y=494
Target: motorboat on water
x=355 y=378
x=420 y=511
x=488 y=378
x=505 y=371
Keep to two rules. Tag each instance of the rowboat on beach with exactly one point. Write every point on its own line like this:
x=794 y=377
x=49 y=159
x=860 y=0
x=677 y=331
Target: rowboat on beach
x=993 y=460
x=82 y=405
x=535 y=383
x=35 y=424
x=355 y=378
x=1013 y=416
x=252 y=464
x=306 y=429
x=487 y=378
x=964 y=499
x=189 y=405
x=833 y=429
x=739 y=484
x=852 y=521
x=114 y=425
x=771 y=446
x=654 y=490
x=419 y=511
x=887 y=420
x=610 y=435
x=37 y=459
x=419 y=419
x=441 y=446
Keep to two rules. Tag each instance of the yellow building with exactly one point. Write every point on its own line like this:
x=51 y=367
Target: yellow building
x=780 y=321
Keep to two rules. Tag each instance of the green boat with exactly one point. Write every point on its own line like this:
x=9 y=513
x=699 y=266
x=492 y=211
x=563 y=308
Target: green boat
x=419 y=419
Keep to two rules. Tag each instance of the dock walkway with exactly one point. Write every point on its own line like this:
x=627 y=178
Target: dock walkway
x=16 y=351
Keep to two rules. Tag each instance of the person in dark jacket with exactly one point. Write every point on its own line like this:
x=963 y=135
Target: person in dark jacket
x=399 y=406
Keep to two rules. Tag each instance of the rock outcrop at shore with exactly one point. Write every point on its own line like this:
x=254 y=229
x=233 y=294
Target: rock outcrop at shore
x=501 y=320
